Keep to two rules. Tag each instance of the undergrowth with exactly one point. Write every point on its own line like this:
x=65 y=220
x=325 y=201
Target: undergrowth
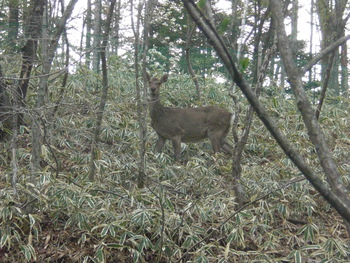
x=111 y=220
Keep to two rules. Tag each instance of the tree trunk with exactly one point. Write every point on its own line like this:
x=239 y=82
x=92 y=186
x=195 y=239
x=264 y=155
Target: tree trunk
x=5 y=108
x=332 y=27
x=311 y=36
x=88 y=22
x=13 y=25
x=142 y=156
x=143 y=96
x=241 y=37
x=190 y=30
x=32 y=33
x=116 y=29
x=102 y=50
x=96 y=36
x=344 y=70
x=294 y=21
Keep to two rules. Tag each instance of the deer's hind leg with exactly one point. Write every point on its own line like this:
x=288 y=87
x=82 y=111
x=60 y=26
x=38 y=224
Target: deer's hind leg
x=160 y=143
x=226 y=147
x=218 y=141
x=215 y=137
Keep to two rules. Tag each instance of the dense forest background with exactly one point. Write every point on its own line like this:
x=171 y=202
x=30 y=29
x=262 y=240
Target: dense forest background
x=79 y=178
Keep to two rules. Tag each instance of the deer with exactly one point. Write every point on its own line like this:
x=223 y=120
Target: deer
x=187 y=124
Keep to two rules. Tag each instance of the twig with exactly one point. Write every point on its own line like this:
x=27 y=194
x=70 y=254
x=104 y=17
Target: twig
x=61 y=71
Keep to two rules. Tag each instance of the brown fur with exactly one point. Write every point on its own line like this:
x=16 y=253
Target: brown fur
x=187 y=124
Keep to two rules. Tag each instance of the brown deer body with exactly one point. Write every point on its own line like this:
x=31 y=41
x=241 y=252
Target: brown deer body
x=187 y=124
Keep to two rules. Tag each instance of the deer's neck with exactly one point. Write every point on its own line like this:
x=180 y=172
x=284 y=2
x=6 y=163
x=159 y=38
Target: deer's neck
x=156 y=108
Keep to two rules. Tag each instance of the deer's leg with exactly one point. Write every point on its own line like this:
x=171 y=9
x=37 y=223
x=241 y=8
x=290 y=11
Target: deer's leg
x=214 y=138
x=160 y=143
x=226 y=147
x=177 y=147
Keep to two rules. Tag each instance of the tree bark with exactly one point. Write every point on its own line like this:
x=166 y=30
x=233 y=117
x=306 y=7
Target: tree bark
x=143 y=96
x=190 y=31
x=96 y=36
x=13 y=25
x=32 y=32
x=5 y=108
x=332 y=27
x=88 y=22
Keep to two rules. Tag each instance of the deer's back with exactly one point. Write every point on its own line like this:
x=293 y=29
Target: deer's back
x=191 y=123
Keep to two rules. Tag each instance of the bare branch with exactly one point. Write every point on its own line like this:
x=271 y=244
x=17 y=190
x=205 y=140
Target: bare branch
x=324 y=53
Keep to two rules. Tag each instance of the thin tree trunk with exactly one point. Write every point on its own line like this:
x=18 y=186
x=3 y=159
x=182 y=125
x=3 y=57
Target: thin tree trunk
x=136 y=30
x=325 y=85
x=32 y=32
x=143 y=95
x=294 y=22
x=88 y=35
x=102 y=50
x=190 y=30
x=96 y=36
x=344 y=70
x=14 y=146
x=13 y=25
x=234 y=25
x=332 y=27
x=311 y=35
x=241 y=37
x=5 y=108
x=117 y=28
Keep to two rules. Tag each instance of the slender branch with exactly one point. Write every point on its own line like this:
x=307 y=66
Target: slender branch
x=60 y=71
x=325 y=85
x=324 y=53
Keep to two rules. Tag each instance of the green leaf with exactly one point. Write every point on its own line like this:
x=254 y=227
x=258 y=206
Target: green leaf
x=3 y=240
x=224 y=25
x=244 y=63
x=201 y=4
x=201 y=259
x=169 y=204
x=115 y=245
x=104 y=231
x=100 y=255
x=31 y=220
x=21 y=129
x=297 y=257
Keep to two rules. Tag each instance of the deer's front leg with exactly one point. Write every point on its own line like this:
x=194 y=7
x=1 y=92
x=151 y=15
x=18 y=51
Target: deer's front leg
x=177 y=147
x=160 y=143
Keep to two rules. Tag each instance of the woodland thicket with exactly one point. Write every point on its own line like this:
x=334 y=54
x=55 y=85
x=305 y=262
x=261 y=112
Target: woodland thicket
x=79 y=178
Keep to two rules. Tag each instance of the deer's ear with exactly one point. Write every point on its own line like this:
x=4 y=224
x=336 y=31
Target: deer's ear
x=164 y=78
x=148 y=76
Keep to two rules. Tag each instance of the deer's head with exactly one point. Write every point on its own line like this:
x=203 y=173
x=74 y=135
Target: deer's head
x=155 y=83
